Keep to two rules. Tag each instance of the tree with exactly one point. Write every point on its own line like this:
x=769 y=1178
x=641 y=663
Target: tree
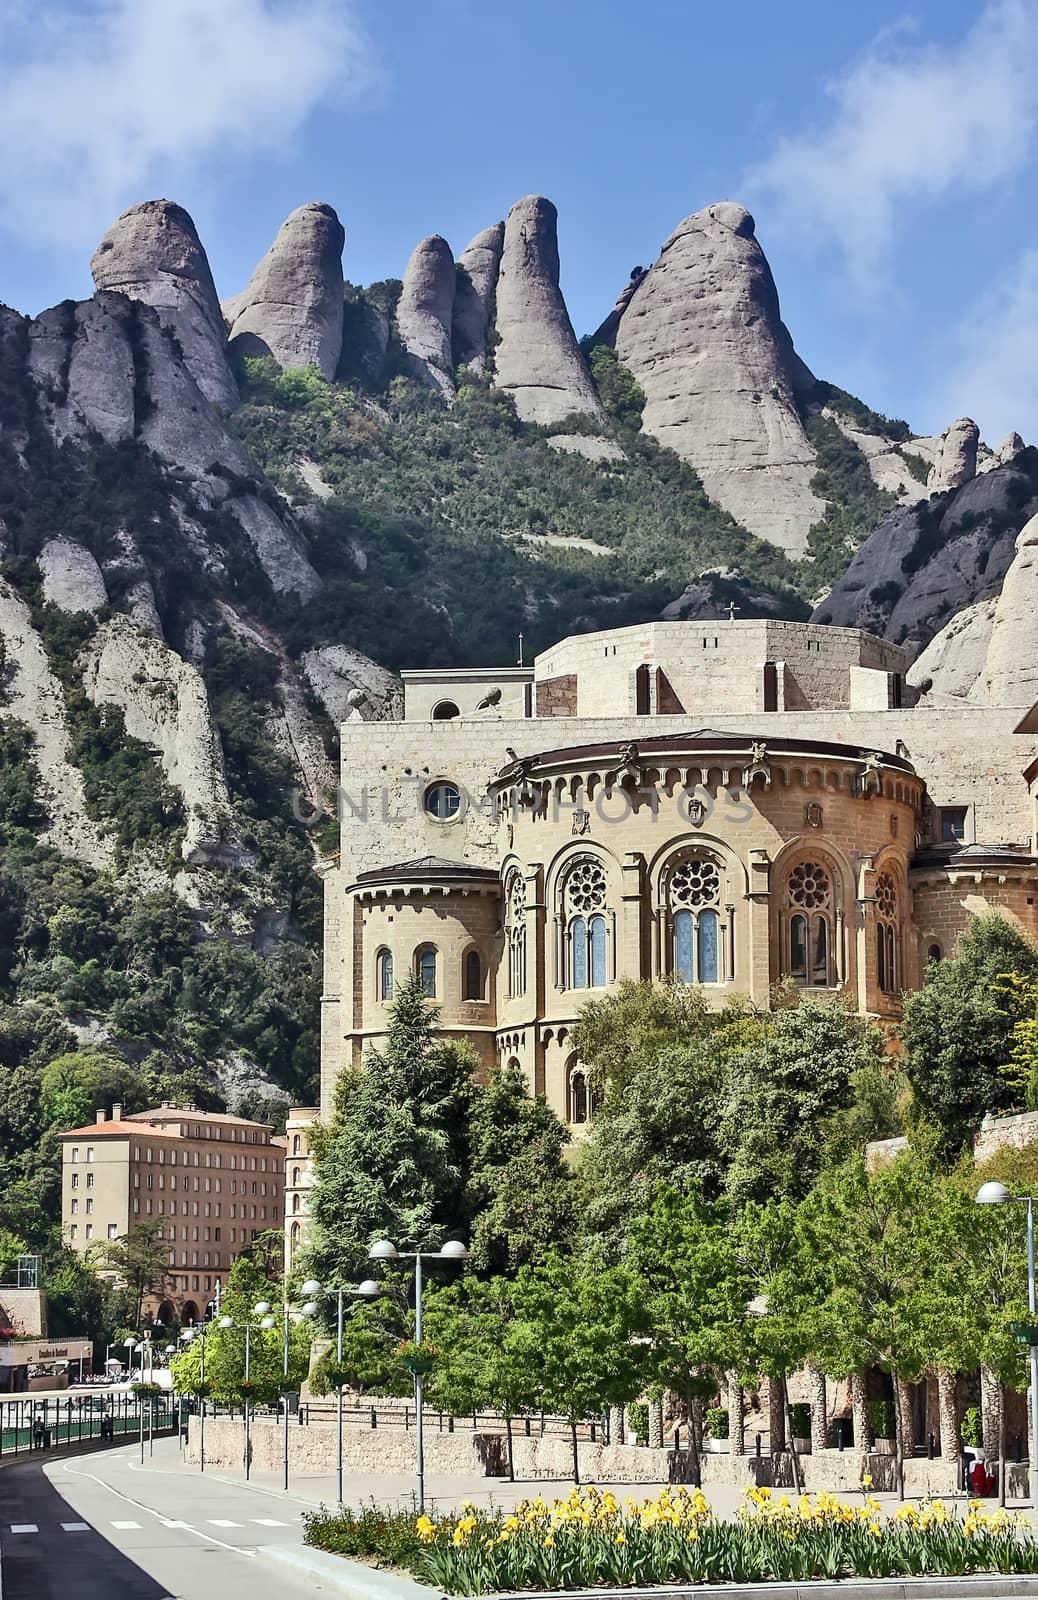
x=482 y=1358
x=73 y=1086
x=225 y=1347
x=392 y=1163
x=958 y=1030
x=696 y=1288
x=781 y=1095
x=139 y=1259
x=577 y=1337
x=520 y=1191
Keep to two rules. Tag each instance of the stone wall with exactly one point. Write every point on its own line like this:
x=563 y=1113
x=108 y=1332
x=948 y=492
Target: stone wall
x=1005 y=1133
x=557 y=697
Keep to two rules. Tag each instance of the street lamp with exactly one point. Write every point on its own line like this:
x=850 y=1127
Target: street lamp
x=287 y=1311
x=996 y=1194
x=386 y=1250
x=262 y=1310
x=188 y=1337
x=368 y=1290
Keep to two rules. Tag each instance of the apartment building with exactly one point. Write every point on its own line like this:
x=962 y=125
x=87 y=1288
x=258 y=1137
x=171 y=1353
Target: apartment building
x=218 y=1179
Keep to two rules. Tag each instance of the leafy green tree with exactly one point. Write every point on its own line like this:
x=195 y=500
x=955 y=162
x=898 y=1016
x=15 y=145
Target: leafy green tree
x=247 y=1287
x=139 y=1260
x=958 y=1030
x=696 y=1287
x=578 y=1337
x=392 y=1164
x=781 y=1095
x=73 y=1086
x=483 y=1353
x=520 y=1190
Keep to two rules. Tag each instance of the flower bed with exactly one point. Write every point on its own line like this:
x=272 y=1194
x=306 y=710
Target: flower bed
x=592 y=1540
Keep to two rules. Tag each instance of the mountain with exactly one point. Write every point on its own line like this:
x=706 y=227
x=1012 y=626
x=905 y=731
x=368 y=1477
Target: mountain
x=225 y=524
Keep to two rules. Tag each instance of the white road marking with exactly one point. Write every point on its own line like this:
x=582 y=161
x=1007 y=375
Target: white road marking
x=209 y=1538
x=268 y=1522
x=24 y=1527
x=75 y=1527
x=223 y=1522
x=124 y=1526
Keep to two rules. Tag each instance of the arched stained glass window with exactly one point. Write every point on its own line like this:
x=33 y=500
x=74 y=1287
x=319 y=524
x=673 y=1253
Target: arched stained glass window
x=597 y=931
x=684 y=967
x=809 y=892
x=706 y=946
x=473 y=976
x=578 y=937
x=427 y=971
x=385 y=975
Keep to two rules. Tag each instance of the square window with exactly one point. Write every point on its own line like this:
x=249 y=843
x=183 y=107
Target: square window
x=953 y=824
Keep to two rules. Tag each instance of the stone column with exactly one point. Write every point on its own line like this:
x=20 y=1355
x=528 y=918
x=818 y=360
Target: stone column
x=860 y=1413
x=990 y=1412
x=736 y=1416
x=629 y=956
x=616 y=1424
x=758 y=980
x=819 y=1414
x=776 y=1418
x=656 y=1424
x=948 y=1412
x=905 y=1400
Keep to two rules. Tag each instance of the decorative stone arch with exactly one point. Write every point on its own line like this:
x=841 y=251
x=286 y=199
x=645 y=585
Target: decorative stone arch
x=581 y=1101
x=445 y=711
x=583 y=891
x=514 y=926
x=812 y=887
x=425 y=964
x=892 y=922
x=695 y=883
x=383 y=974
x=475 y=970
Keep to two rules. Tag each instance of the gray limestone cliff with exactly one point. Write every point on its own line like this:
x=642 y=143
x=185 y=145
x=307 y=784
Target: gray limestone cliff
x=926 y=562
x=957 y=462
x=474 y=296
x=1009 y=675
x=424 y=314
x=292 y=307
x=537 y=360
x=947 y=670
x=702 y=334
x=71 y=578
x=153 y=253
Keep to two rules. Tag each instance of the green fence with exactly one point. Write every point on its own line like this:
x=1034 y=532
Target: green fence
x=30 y=1423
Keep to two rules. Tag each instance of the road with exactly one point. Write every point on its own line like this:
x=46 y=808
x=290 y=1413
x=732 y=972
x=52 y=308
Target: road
x=99 y=1527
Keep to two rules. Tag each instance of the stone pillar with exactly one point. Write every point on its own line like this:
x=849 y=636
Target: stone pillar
x=758 y=939
x=631 y=944
x=616 y=1424
x=860 y=1413
x=990 y=1412
x=905 y=1401
x=776 y=1418
x=656 y=1424
x=948 y=1412
x=736 y=1416
x=819 y=1413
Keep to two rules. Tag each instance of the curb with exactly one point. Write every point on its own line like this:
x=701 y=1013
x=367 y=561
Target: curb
x=978 y=1586
x=352 y=1577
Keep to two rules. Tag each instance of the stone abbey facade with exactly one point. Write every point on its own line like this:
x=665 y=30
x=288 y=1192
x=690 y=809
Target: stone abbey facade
x=727 y=803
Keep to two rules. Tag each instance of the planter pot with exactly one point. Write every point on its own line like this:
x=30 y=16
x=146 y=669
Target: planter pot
x=883 y=1447
x=802 y=1446
x=717 y=1447
x=417 y=1366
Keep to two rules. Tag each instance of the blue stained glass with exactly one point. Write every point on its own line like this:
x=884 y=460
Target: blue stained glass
x=707 y=940
x=387 y=976
x=598 y=952
x=578 y=936
x=683 y=946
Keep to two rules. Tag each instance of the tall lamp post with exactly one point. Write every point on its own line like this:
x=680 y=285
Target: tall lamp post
x=386 y=1250
x=996 y=1194
x=188 y=1336
x=368 y=1290
x=262 y=1310
x=287 y=1312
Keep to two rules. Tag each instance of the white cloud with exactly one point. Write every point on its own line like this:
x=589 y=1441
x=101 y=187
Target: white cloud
x=909 y=123
x=993 y=372
x=104 y=99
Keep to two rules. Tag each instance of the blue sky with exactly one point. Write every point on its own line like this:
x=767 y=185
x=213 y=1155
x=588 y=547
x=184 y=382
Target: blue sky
x=888 y=153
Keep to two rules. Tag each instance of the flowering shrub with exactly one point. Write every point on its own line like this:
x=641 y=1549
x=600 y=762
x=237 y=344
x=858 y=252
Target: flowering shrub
x=591 y=1539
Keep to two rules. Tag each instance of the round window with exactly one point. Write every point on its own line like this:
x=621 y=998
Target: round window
x=443 y=801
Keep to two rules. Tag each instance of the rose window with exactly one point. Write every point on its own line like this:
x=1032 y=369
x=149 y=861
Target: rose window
x=695 y=883
x=585 y=888
x=809 y=886
x=886 y=896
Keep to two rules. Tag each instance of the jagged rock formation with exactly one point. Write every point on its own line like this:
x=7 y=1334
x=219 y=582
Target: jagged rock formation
x=365 y=341
x=948 y=668
x=1010 y=448
x=424 y=314
x=587 y=445
x=925 y=562
x=72 y=579
x=886 y=459
x=474 y=294
x=957 y=462
x=292 y=308
x=34 y=696
x=702 y=335
x=537 y=360
x=165 y=704
x=81 y=358
x=335 y=672
x=1009 y=676
x=153 y=253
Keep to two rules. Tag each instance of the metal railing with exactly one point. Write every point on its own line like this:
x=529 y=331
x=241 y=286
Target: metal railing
x=29 y=1423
